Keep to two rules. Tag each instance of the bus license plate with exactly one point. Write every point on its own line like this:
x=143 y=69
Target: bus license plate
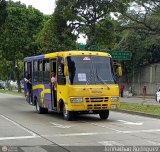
x=113 y=106
x=90 y=111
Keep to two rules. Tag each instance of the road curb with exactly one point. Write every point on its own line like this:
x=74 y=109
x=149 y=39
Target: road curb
x=139 y=113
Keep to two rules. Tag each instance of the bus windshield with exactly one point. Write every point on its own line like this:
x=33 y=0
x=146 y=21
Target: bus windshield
x=90 y=70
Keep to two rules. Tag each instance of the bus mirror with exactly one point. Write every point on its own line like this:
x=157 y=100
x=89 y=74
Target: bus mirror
x=119 y=71
x=65 y=70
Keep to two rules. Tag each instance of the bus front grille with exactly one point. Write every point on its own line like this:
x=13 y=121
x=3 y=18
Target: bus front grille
x=97 y=106
x=97 y=99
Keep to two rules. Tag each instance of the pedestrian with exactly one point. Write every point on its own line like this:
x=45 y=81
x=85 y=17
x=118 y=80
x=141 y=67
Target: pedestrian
x=54 y=84
x=121 y=90
x=28 y=90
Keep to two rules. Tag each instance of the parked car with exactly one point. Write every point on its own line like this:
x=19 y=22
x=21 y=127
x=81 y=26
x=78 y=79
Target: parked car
x=12 y=85
x=2 y=86
x=158 y=95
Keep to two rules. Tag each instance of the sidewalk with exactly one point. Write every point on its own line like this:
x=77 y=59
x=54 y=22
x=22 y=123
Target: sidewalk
x=148 y=100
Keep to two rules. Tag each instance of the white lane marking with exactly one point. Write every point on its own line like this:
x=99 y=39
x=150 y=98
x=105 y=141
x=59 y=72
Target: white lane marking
x=76 y=134
x=59 y=125
x=78 y=144
x=33 y=135
x=140 y=131
x=153 y=143
x=110 y=143
x=131 y=123
x=19 y=137
x=33 y=149
x=103 y=133
x=95 y=124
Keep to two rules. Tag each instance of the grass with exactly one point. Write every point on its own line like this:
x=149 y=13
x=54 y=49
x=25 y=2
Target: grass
x=137 y=107
x=14 y=92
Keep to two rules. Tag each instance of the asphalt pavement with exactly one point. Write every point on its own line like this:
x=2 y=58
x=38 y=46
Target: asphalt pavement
x=24 y=130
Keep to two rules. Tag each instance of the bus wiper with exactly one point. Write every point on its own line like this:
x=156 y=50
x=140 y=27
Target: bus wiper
x=90 y=77
x=99 y=77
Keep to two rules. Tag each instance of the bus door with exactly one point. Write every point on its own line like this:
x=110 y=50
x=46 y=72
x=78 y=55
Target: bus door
x=27 y=89
x=53 y=88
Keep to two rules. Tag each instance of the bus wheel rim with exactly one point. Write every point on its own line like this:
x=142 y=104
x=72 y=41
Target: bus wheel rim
x=65 y=111
x=37 y=106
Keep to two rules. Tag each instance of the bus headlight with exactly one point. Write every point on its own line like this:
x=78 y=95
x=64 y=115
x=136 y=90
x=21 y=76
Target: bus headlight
x=76 y=100
x=114 y=99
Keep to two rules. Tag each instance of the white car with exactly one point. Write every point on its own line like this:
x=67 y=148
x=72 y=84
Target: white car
x=158 y=95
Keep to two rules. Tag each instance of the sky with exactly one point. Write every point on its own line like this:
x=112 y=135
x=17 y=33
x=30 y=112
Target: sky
x=45 y=6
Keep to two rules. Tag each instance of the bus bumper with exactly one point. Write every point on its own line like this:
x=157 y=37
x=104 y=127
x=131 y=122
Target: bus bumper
x=95 y=107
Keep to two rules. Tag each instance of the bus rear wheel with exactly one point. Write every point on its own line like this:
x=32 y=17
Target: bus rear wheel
x=41 y=110
x=68 y=115
x=104 y=114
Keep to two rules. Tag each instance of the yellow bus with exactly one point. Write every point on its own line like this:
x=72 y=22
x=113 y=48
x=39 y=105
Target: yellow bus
x=85 y=83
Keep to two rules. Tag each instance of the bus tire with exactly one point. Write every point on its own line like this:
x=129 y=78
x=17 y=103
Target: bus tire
x=41 y=110
x=104 y=114
x=68 y=115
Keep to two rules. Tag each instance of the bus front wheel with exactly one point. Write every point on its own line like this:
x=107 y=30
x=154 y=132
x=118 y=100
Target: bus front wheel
x=68 y=115
x=104 y=114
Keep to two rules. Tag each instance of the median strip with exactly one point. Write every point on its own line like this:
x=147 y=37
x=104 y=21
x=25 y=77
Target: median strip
x=140 y=109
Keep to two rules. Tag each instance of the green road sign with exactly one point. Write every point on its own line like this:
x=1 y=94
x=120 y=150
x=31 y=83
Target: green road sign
x=83 y=47
x=120 y=55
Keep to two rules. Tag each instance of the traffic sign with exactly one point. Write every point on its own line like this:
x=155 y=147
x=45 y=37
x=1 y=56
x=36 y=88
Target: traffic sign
x=89 y=48
x=120 y=55
x=82 y=47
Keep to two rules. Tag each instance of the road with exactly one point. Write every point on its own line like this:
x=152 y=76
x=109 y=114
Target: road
x=24 y=130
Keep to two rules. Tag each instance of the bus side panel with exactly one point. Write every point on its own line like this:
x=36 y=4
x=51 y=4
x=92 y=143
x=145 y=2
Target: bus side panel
x=43 y=95
x=47 y=100
x=37 y=95
x=47 y=96
x=63 y=94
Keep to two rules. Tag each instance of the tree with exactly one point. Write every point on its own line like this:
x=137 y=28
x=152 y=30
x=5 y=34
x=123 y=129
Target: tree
x=138 y=31
x=91 y=14
x=144 y=14
x=56 y=35
x=105 y=35
x=18 y=33
x=90 y=17
x=46 y=37
x=3 y=11
x=6 y=69
x=143 y=21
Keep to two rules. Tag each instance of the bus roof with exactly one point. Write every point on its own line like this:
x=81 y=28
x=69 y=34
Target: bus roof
x=67 y=53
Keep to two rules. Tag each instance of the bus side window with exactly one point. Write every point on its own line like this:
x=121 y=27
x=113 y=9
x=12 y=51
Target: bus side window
x=61 y=79
x=25 y=68
x=29 y=68
x=40 y=71
x=46 y=71
x=35 y=71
